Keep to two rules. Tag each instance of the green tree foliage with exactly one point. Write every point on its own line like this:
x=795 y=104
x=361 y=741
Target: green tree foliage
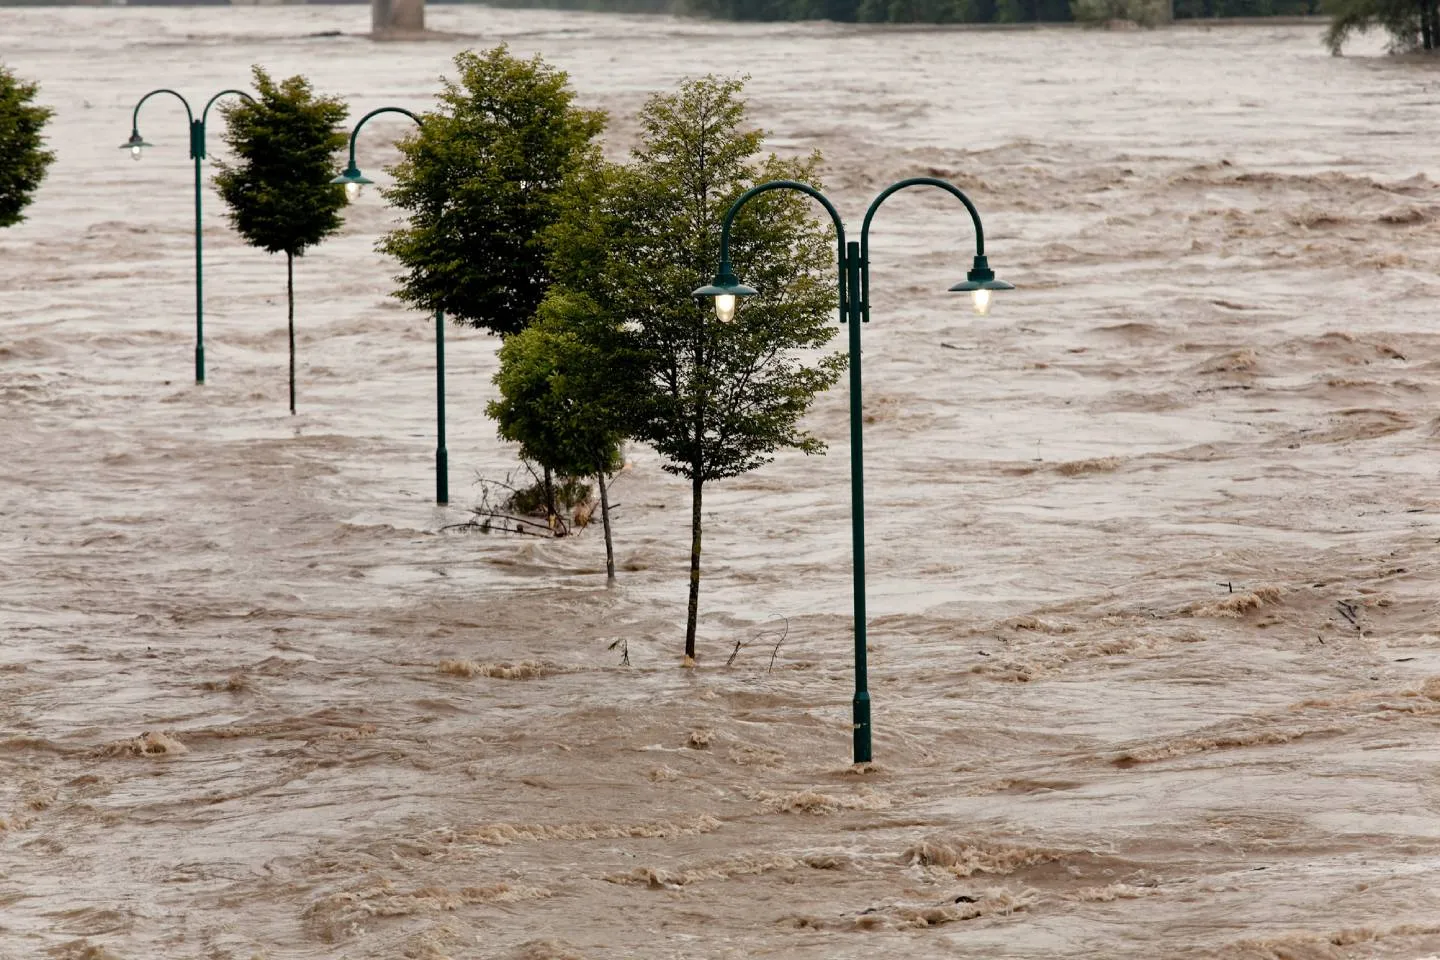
x=1411 y=24
x=23 y=157
x=1146 y=13
x=480 y=183
x=1025 y=11
x=927 y=11
x=565 y=383
x=287 y=144
x=715 y=400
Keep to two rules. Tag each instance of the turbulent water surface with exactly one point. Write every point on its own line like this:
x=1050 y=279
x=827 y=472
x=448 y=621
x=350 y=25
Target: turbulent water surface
x=1153 y=549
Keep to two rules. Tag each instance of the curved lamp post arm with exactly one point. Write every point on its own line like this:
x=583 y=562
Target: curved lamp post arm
x=198 y=131
x=726 y=275
x=239 y=93
x=135 y=116
x=135 y=139
x=753 y=192
x=945 y=185
x=366 y=119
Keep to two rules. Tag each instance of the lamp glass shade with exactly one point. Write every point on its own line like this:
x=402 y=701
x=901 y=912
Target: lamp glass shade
x=353 y=180
x=135 y=144
x=726 y=289
x=981 y=283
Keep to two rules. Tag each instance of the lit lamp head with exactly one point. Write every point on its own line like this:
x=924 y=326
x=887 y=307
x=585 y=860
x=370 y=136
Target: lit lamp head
x=980 y=283
x=725 y=289
x=353 y=180
x=135 y=144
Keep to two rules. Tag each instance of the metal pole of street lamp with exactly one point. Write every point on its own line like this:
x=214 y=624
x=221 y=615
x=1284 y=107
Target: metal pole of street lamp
x=354 y=182
x=854 y=269
x=136 y=145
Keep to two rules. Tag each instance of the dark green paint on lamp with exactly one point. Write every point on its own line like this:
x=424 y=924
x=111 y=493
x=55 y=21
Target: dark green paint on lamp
x=725 y=289
x=134 y=144
x=979 y=283
x=353 y=180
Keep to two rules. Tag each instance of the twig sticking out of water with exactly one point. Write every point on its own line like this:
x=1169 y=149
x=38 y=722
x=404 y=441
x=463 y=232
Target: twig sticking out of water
x=742 y=644
x=495 y=522
x=624 y=646
x=776 y=652
x=548 y=507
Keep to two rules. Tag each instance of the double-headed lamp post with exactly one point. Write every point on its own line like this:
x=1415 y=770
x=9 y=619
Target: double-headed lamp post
x=854 y=264
x=136 y=144
x=354 y=182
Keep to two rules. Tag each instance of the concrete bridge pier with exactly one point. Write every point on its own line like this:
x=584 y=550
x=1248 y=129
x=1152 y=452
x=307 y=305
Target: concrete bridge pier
x=391 y=17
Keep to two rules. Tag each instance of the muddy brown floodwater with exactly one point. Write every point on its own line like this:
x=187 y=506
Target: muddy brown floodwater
x=1153 y=548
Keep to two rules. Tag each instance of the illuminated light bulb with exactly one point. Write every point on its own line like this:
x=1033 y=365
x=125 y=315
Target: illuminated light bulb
x=725 y=307
x=352 y=190
x=981 y=299
x=135 y=152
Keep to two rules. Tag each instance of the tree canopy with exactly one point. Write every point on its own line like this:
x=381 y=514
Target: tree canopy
x=1411 y=24
x=566 y=383
x=285 y=143
x=564 y=389
x=480 y=182
x=714 y=399
x=23 y=157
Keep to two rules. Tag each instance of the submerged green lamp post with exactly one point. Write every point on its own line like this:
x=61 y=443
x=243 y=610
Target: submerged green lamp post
x=354 y=182
x=854 y=288
x=136 y=145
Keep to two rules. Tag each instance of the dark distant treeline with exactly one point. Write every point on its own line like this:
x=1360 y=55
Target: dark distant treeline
x=1206 y=9
x=911 y=11
x=886 y=11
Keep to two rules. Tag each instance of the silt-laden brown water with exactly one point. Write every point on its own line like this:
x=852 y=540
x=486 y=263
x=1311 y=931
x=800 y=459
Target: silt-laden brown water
x=1152 y=548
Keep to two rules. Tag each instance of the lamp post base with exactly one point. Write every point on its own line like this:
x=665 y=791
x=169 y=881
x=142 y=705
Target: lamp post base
x=861 y=713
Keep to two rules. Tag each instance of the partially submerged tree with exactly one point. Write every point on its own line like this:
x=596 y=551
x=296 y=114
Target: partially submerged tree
x=1411 y=24
x=714 y=399
x=480 y=182
x=287 y=144
x=23 y=157
x=564 y=390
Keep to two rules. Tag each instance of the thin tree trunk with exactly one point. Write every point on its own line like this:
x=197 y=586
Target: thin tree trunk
x=695 y=486
x=550 y=512
x=697 y=481
x=1434 y=14
x=1425 y=23
x=290 y=296
x=605 y=519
